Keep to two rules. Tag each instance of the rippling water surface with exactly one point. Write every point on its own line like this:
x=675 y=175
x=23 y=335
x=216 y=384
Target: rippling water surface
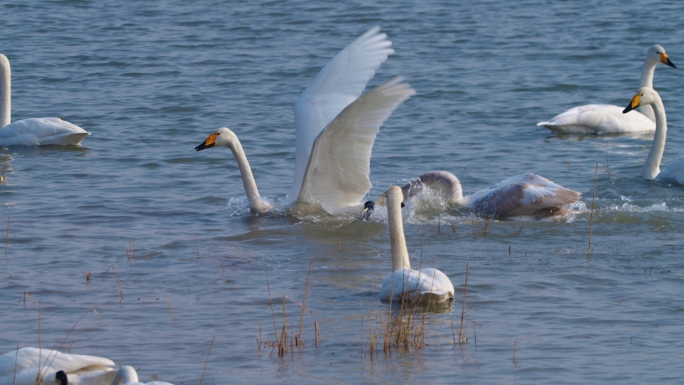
x=176 y=259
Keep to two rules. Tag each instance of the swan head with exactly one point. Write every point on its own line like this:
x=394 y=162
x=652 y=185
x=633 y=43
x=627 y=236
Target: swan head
x=61 y=377
x=221 y=137
x=657 y=54
x=644 y=96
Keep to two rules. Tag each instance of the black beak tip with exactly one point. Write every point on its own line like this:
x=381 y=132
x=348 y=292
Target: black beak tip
x=627 y=109
x=671 y=64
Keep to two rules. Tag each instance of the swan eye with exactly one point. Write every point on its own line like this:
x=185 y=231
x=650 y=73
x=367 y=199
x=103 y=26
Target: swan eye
x=218 y=133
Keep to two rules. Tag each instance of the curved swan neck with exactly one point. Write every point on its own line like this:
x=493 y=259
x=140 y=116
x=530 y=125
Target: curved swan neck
x=400 y=257
x=5 y=91
x=125 y=375
x=647 y=81
x=256 y=204
x=651 y=168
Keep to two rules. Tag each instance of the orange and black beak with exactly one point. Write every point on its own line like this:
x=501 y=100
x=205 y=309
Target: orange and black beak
x=208 y=143
x=636 y=100
x=666 y=60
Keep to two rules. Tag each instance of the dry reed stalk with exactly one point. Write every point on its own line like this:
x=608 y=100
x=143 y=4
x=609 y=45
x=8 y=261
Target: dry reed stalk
x=316 y=334
x=207 y=360
x=306 y=295
x=197 y=247
x=270 y=303
x=258 y=341
x=130 y=251
x=610 y=173
x=607 y=167
x=7 y=236
x=591 y=216
x=518 y=233
x=454 y=230
x=172 y=312
x=118 y=284
x=509 y=250
x=514 y=345
x=439 y=222
x=461 y=331
x=282 y=343
x=88 y=274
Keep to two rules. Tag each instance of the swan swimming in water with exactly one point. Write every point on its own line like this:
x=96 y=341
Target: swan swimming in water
x=651 y=170
x=23 y=367
x=33 y=131
x=524 y=196
x=335 y=130
x=609 y=119
x=126 y=375
x=404 y=283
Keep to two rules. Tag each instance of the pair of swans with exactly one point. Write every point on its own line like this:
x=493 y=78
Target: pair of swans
x=335 y=130
x=33 y=366
x=405 y=284
x=674 y=171
x=525 y=196
x=609 y=119
x=33 y=131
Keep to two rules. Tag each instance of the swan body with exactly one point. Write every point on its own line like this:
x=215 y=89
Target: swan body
x=651 y=170
x=335 y=130
x=34 y=131
x=524 y=196
x=609 y=119
x=126 y=375
x=22 y=367
x=404 y=283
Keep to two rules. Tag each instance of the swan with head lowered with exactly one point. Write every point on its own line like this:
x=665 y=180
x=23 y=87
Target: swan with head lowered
x=609 y=119
x=33 y=131
x=335 y=130
x=33 y=366
x=405 y=284
x=526 y=196
x=674 y=171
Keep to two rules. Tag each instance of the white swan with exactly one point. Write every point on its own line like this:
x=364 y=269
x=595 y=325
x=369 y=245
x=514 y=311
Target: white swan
x=335 y=131
x=525 y=196
x=651 y=170
x=33 y=131
x=425 y=285
x=609 y=119
x=126 y=375
x=24 y=366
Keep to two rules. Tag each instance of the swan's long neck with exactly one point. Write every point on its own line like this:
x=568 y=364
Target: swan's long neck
x=125 y=375
x=256 y=204
x=652 y=166
x=647 y=81
x=5 y=91
x=400 y=257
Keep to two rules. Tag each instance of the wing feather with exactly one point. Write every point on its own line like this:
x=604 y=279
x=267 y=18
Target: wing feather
x=340 y=82
x=339 y=168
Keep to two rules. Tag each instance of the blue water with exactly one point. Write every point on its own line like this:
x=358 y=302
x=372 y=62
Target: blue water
x=151 y=80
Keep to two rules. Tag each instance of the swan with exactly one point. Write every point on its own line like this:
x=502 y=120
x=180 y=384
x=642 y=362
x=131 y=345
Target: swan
x=608 y=119
x=335 y=130
x=33 y=131
x=525 y=196
x=126 y=375
x=425 y=285
x=651 y=170
x=26 y=365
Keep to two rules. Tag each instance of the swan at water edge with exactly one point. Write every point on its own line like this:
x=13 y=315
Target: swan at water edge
x=335 y=130
x=33 y=131
x=609 y=119
x=651 y=170
x=406 y=284
x=525 y=196
x=128 y=376
x=24 y=366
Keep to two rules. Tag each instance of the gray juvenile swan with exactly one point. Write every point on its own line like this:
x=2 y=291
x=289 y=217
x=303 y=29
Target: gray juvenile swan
x=524 y=196
x=335 y=130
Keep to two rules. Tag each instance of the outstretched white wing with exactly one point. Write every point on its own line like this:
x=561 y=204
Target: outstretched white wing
x=336 y=86
x=337 y=176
